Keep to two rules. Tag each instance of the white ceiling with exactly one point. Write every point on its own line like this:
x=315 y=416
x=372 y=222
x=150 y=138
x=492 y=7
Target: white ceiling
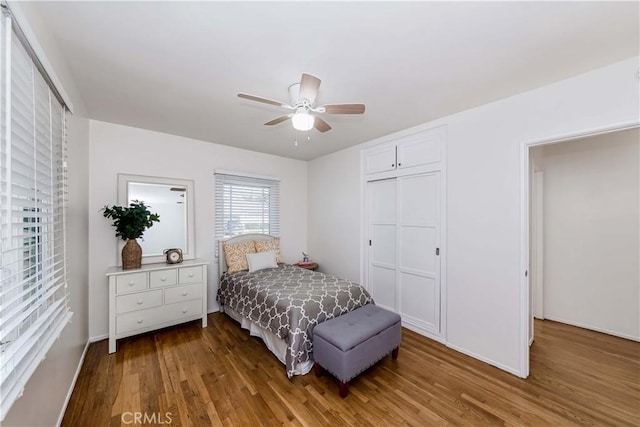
x=176 y=67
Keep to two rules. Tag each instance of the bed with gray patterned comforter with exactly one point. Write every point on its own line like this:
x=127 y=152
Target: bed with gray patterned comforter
x=289 y=301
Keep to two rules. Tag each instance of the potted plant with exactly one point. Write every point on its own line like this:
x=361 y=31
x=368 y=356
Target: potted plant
x=130 y=223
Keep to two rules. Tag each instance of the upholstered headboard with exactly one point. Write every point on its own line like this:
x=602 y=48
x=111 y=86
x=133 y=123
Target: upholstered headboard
x=222 y=260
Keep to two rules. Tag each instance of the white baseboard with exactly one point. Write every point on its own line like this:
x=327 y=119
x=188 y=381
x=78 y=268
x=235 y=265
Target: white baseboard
x=486 y=360
x=98 y=338
x=73 y=384
x=593 y=328
x=423 y=331
x=442 y=340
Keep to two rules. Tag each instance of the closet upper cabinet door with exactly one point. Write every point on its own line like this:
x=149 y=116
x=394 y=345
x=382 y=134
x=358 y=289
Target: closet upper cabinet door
x=381 y=159
x=419 y=149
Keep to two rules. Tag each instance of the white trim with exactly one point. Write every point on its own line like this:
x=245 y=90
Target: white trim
x=98 y=338
x=524 y=222
x=443 y=234
x=189 y=252
x=433 y=125
x=538 y=254
x=523 y=297
x=423 y=331
x=23 y=24
x=593 y=328
x=73 y=384
x=245 y=175
x=568 y=136
x=364 y=220
x=485 y=359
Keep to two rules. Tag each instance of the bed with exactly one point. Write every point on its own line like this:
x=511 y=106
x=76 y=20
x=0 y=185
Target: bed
x=282 y=305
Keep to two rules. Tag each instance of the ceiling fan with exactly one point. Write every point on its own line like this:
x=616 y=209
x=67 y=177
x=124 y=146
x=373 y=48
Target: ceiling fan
x=303 y=97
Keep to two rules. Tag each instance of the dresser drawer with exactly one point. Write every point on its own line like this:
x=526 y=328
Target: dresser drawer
x=182 y=309
x=190 y=274
x=155 y=316
x=161 y=278
x=138 y=319
x=182 y=293
x=138 y=301
x=133 y=282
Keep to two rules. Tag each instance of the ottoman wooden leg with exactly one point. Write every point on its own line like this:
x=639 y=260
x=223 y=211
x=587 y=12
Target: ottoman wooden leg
x=344 y=389
x=318 y=370
x=394 y=353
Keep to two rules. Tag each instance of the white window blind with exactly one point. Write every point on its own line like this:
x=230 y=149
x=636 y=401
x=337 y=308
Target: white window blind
x=34 y=305
x=246 y=205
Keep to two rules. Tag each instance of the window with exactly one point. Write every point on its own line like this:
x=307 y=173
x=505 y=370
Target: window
x=34 y=305
x=246 y=205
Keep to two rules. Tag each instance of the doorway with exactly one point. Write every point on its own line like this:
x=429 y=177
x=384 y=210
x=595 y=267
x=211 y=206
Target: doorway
x=533 y=291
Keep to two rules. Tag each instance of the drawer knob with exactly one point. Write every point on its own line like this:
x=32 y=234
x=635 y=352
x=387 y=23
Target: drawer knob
x=132 y=283
x=190 y=274
x=184 y=294
x=140 y=302
x=164 y=279
x=139 y=320
x=184 y=310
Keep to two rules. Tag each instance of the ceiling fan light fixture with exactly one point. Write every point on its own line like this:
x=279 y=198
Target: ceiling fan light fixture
x=302 y=120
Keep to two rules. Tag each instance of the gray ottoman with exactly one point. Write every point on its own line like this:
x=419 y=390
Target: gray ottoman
x=347 y=345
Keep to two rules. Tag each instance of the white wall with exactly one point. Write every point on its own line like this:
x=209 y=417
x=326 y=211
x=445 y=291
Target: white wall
x=592 y=232
x=45 y=393
x=122 y=149
x=334 y=213
x=483 y=200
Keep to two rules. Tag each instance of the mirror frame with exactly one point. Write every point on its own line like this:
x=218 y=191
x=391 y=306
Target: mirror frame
x=123 y=185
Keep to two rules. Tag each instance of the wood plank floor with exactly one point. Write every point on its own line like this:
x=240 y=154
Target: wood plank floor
x=221 y=376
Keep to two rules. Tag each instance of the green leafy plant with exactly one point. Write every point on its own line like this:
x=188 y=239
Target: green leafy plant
x=131 y=222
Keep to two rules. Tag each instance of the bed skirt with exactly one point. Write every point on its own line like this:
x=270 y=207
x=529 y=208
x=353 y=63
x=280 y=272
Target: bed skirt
x=276 y=345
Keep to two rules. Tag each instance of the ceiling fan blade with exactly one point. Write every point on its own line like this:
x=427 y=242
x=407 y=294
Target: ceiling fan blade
x=321 y=125
x=344 y=109
x=278 y=120
x=309 y=86
x=263 y=100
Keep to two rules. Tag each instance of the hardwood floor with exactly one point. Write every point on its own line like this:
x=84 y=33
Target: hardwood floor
x=186 y=375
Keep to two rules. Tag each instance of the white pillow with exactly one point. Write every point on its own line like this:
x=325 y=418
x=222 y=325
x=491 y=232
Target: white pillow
x=261 y=260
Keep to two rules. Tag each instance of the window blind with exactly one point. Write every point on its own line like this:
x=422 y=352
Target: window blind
x=34 y=303
x=246 y=205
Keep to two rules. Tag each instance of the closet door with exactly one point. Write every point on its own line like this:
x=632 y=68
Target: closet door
x=381 y=197
x=418 y=242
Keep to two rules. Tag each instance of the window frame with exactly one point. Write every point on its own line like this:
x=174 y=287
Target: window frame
x=34 y=299
x=264 y=217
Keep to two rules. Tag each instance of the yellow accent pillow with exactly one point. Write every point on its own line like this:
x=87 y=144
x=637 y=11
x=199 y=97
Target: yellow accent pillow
x=270 y=245
x=236 y=255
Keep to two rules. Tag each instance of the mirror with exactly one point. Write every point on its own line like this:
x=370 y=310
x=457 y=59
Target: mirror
x=172 y=200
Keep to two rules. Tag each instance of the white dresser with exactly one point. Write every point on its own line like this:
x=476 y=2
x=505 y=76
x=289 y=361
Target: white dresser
x=155 y=296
